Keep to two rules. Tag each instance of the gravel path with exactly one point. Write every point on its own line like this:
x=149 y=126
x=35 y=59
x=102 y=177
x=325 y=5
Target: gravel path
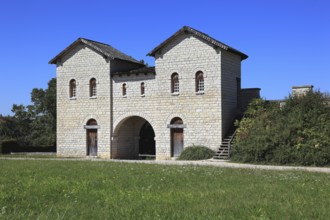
x=211 y=162
x=227 y=164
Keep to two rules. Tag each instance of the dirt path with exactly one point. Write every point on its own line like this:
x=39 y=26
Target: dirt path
x=211 y=162
x=227 y=164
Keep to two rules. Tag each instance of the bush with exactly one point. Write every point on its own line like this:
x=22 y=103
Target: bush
x=12 y=146
x=196 y=153
x=298 y=133
x=9 y=145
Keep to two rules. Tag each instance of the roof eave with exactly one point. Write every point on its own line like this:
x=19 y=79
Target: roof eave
x=137 y=62
x=138 y=70
x=242 y=55
x=65 y=51
x=73 y=45
x=90 y=45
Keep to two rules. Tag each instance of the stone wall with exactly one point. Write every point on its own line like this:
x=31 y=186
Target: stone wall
x=82 y=64
x=200 y=112
x=230 y=86
x=206 y=115
x=301 y=90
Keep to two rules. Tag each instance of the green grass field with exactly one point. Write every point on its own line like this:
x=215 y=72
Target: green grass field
x=108 y=190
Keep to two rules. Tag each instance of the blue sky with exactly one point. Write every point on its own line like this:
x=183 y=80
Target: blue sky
x=288 y=41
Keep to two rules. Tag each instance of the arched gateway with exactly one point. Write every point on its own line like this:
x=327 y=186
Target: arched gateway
x=133 y=138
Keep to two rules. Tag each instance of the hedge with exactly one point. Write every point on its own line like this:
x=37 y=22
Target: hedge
x=12 y=146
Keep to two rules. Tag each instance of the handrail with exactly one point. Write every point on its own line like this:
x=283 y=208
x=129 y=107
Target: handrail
x=230 y=141
x=233 y=136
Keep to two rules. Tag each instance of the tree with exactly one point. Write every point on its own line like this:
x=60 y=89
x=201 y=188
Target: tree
x=7 y=128
x=297 y=133
x=35 y=124
x=144 y=63
x=44 y=112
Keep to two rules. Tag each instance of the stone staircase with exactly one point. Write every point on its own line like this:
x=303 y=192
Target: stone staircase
x=223 y=152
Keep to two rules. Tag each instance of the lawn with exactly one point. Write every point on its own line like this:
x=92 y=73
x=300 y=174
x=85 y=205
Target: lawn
x=108 y=190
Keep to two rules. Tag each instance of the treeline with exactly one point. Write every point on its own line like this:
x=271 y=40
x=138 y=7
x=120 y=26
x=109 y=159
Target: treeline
x=32 y=125
x=296 y=133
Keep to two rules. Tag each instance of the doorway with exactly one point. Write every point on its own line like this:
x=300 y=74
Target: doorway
x=91 y=138
x=177 y=140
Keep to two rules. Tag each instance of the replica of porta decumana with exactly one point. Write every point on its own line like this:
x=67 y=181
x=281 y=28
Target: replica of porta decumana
x=110 y=105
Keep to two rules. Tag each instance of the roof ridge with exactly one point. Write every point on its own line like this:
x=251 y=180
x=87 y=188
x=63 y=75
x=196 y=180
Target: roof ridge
x=113 y=48
x=105 y=49
x=92 y=44
x=201 y=35
x=93 y=41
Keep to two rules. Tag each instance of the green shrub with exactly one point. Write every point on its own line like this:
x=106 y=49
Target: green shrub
x=8 y=145
x=298 y=133
x=196 y=153
x=12 y=146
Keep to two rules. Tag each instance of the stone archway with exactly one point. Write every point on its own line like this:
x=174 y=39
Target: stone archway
x=133 y=138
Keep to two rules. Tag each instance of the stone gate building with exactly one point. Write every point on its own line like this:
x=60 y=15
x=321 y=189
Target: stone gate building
x=113 y=106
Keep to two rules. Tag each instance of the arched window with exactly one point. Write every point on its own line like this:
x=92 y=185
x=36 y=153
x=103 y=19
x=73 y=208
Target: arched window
x=142 y=88
x=92 y=87
x=124 y=88
x=199 y=81
x=72 y=88
x=175 y=83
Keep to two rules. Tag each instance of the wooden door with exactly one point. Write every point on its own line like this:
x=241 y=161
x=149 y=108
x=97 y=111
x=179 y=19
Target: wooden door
x=92 y=142
x=177 y=142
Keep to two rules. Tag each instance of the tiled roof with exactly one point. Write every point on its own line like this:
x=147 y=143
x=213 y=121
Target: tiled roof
x=105 y=49
x=200 y=35
x=139 y=70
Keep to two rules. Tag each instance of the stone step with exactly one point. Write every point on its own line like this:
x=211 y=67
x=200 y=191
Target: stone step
x=224 y=146
x=221 y=157
x=223 y=151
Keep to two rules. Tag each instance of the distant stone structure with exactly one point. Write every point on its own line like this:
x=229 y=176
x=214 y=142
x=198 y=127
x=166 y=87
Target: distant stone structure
x=247 y=95
x=296 y=91
x=301 y=90
x=112 y=106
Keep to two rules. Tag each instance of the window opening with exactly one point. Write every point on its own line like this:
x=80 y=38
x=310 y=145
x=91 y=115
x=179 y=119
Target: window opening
x=73 y=88
x=175 y=83
x=142 y=89
x=92 y=87
x=199 y=82
x=124 y=89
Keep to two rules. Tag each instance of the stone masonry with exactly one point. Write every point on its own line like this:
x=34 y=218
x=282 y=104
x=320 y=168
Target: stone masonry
x=206 y=115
